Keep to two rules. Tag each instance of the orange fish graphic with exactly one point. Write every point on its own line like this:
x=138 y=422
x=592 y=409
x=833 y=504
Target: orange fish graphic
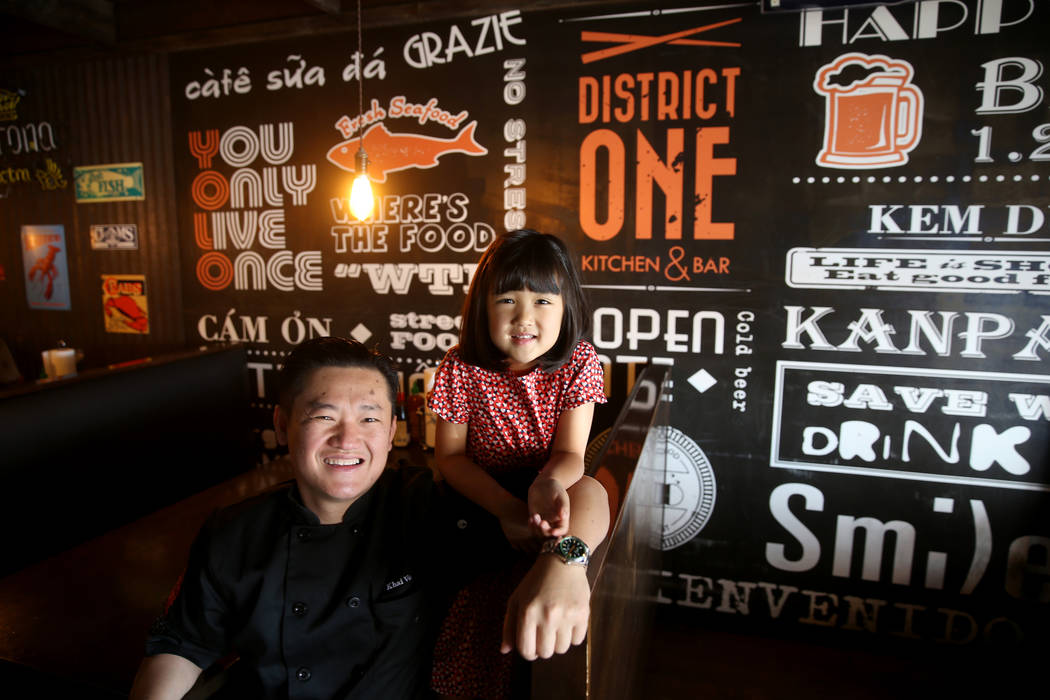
x=388 y=153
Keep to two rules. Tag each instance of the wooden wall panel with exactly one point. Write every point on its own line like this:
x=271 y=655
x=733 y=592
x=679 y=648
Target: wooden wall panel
x=111 y=110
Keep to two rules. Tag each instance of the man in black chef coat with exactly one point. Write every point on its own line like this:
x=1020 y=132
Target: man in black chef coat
x=331 y=586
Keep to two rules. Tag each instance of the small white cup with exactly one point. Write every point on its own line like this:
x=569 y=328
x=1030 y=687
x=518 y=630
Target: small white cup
x=60 y=362
x=49 y=366
x=65 y=361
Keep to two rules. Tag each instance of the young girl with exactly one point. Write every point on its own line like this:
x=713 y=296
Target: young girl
x=514 y=402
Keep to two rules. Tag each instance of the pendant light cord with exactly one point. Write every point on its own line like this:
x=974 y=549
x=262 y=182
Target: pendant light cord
x=360 y=76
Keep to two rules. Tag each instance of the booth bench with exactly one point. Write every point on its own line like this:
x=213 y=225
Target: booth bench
x=85 y=454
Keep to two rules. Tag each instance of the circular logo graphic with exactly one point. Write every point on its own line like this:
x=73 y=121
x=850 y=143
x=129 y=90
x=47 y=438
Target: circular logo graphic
x=688 y=493
x=689 y=490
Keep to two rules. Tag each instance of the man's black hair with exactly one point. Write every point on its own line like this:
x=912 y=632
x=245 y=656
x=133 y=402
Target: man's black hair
x=317 y=353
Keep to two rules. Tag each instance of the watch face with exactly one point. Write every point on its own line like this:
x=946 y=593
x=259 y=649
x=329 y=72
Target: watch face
x=572 y=548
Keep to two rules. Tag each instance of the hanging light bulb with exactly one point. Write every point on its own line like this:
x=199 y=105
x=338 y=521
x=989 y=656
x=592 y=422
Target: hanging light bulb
x=361 y=200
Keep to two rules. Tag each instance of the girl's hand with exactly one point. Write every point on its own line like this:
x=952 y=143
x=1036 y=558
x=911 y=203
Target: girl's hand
x=548 y=508
x=518 y=530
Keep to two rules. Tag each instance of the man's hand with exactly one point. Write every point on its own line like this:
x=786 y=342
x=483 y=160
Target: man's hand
x=548 y=507
x=548 y=611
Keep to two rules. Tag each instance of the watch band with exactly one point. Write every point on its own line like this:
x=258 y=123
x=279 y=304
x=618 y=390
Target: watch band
x=570 y=549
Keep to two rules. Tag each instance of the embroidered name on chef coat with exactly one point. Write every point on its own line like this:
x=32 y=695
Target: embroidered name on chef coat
x=397 y=583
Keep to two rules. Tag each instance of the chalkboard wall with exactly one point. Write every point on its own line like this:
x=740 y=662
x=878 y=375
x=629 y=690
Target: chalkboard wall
x=831 y=223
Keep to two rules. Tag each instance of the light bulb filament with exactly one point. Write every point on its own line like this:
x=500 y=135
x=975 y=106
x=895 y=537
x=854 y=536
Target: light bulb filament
x=361 y=200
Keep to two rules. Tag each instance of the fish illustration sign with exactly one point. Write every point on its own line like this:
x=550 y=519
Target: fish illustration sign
x=116 y=182
x=389 y=152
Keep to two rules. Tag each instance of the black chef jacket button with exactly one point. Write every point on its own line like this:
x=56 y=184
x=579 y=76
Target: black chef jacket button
x=299 y=609
x=303 y=534
x=303 y=674
x=353 y=602
x=357 y=530
x=461 y=524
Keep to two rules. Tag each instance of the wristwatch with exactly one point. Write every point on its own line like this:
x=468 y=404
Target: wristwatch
x=571 y=550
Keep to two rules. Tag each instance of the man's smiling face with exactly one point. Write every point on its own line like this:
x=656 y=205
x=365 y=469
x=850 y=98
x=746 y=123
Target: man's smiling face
x=339 y=431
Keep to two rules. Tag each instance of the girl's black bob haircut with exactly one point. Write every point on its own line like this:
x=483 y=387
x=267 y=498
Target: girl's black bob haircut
x=523 y=259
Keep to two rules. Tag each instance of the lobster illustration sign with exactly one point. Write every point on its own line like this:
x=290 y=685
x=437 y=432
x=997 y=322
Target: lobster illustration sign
x=46 y=267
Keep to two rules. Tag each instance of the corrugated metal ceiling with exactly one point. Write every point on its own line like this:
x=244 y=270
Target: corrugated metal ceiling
x=32 y=31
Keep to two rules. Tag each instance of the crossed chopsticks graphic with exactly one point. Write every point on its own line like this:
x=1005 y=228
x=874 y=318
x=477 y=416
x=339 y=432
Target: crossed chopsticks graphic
x=635 y=42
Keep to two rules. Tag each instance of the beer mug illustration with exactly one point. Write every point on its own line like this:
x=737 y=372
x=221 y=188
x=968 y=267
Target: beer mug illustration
x=873 y=114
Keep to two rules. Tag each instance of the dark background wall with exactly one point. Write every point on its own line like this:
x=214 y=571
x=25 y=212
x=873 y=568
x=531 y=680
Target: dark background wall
x=858 y=441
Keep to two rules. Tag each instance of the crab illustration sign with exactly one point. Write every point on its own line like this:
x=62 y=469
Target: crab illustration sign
x=124 y=305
